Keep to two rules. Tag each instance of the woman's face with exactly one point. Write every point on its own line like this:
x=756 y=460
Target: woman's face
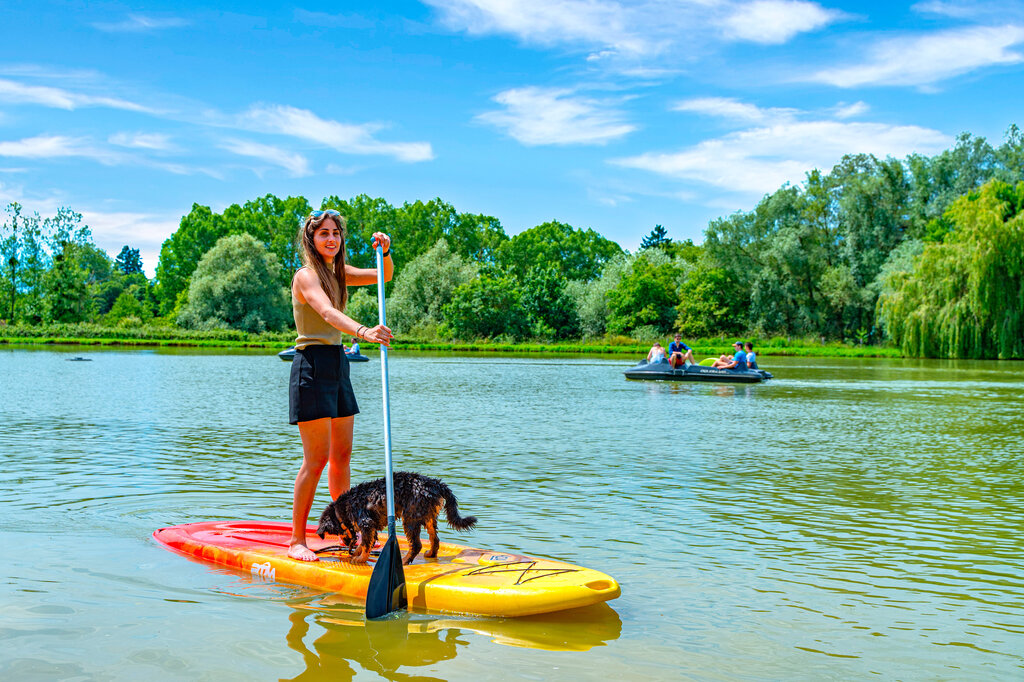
x=328 y=239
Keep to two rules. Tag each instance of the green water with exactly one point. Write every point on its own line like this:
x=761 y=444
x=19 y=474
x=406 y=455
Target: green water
x=850 y=518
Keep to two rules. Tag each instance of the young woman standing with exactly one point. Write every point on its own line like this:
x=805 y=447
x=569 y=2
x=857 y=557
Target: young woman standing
x=320 y=397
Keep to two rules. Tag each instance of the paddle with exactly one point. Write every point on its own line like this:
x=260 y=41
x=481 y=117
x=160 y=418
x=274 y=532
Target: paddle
x=386 y=592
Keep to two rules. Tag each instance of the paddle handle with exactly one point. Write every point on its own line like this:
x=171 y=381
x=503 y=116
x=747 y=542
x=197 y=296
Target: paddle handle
x=383 y=319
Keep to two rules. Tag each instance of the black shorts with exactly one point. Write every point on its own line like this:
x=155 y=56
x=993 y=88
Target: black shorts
x=319 y=385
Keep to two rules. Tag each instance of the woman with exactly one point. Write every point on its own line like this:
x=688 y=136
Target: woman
x=656 y=354
x=320 y=397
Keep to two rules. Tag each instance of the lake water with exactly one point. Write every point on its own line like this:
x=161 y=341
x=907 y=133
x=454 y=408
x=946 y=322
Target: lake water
x=850 y=518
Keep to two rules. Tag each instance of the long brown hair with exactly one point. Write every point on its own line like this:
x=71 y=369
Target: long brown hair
x=333 y=283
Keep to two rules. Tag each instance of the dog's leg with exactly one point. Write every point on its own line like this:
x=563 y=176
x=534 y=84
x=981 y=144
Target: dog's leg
x=435 y=542
x=368 y=533
x=412 y=534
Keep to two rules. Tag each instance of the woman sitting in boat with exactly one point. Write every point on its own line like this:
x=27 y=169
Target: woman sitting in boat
x=354 y=348
x=738 y=361
x=679 y=353
x=657 y=353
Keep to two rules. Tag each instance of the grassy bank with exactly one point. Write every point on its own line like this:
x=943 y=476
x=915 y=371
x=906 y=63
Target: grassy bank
x=95 y=335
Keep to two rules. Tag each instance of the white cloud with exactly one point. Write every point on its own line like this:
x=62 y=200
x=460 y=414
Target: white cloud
x=143 y=231
x=773 y=22
x=733 y=109
x=296 y=164
x=110 y=230
x=153 y=141
x=343 y=137
x=927 y=59
x=844 y=111
x=602 y=23
x=620 y=34
x=976 y=10
x=62 y=146
x=137 y=23
x=55 y=146
x=57 y=98
x=539 y=116
x=760 y=159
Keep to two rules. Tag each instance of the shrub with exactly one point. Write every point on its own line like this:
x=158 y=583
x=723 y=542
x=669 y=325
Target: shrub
x=235 y=285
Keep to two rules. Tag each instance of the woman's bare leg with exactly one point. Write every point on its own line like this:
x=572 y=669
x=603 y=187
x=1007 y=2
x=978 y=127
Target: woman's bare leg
x=316 y=442
x=338 y=477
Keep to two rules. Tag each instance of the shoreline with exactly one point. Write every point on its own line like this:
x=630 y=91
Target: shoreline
x=582 y=348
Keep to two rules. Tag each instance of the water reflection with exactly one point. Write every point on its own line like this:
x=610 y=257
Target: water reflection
x=417 y=640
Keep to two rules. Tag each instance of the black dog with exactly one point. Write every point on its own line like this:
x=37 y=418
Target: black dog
x=418 y=501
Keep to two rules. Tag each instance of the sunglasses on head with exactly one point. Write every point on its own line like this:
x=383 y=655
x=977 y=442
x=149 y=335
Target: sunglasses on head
x=330 y=212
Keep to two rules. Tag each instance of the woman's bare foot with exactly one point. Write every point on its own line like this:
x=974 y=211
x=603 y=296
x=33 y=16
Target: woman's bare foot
x=302 y=553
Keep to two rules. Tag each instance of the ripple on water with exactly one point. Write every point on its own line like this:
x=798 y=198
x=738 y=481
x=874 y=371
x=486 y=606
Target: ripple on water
x=851 y=517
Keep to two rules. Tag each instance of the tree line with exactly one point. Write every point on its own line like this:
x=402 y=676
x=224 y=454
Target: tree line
x=923 y=252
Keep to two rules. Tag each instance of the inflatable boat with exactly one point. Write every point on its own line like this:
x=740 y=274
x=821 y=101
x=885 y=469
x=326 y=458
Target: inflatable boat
x=663 y=371
x=289 y=353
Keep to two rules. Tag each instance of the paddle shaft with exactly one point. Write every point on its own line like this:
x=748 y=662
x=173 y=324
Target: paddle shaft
x=382 y=319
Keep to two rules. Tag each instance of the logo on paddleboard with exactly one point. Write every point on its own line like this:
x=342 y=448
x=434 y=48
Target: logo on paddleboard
x=498 y=557
x=264 y=571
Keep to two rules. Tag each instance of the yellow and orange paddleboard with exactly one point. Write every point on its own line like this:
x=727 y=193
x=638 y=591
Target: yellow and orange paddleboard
x=460 y=580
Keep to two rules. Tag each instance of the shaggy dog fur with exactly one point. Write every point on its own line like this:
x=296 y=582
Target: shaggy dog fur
x=418 y=502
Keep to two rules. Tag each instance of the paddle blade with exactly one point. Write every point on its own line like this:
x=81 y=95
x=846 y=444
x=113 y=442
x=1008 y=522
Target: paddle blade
x=386 y=592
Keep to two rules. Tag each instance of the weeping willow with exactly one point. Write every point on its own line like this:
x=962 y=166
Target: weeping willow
x=964 y=297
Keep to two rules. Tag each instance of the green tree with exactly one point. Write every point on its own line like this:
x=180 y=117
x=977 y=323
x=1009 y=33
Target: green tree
x=362 y=307
x=128 y=261
x=198 y=231
x=424 y=285
x=577 y=254
x=591 y=298
x=777 y=253
x=488 y=306
x=941 y=179
x=236 y=285
x=273 y=221
x=645 y=296
x=658 y=238
x=965 y=296
x=712 y=303
x=128 y=307
x=419 y=225
x=66 y=297
x=11 y=260
x=547 y=303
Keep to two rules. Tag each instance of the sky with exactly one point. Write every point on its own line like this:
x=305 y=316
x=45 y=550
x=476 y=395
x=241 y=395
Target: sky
x=603 y=114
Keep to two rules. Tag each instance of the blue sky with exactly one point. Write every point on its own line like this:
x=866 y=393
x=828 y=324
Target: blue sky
x=605 y=114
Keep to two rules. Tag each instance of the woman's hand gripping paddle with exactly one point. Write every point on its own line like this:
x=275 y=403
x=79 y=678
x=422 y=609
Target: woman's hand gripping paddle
x=386 y=592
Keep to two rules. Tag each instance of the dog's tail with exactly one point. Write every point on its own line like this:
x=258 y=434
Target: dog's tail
x=451 y=510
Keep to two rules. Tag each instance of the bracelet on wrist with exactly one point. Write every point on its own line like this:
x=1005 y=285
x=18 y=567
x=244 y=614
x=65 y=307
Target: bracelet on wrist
x=359 y=332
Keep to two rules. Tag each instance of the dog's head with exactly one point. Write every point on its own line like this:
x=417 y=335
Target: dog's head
x=329 y=523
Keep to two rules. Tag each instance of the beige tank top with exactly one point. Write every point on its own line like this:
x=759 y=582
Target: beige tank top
x=311 y=328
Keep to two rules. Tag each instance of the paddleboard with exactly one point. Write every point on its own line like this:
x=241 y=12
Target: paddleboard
x=460 y=580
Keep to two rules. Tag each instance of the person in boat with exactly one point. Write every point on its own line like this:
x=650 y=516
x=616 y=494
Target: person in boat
x=656 y=354
x=679 y=353
x=320 y=396
x=737 y=361
x=751 y=355
x=354 y=348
